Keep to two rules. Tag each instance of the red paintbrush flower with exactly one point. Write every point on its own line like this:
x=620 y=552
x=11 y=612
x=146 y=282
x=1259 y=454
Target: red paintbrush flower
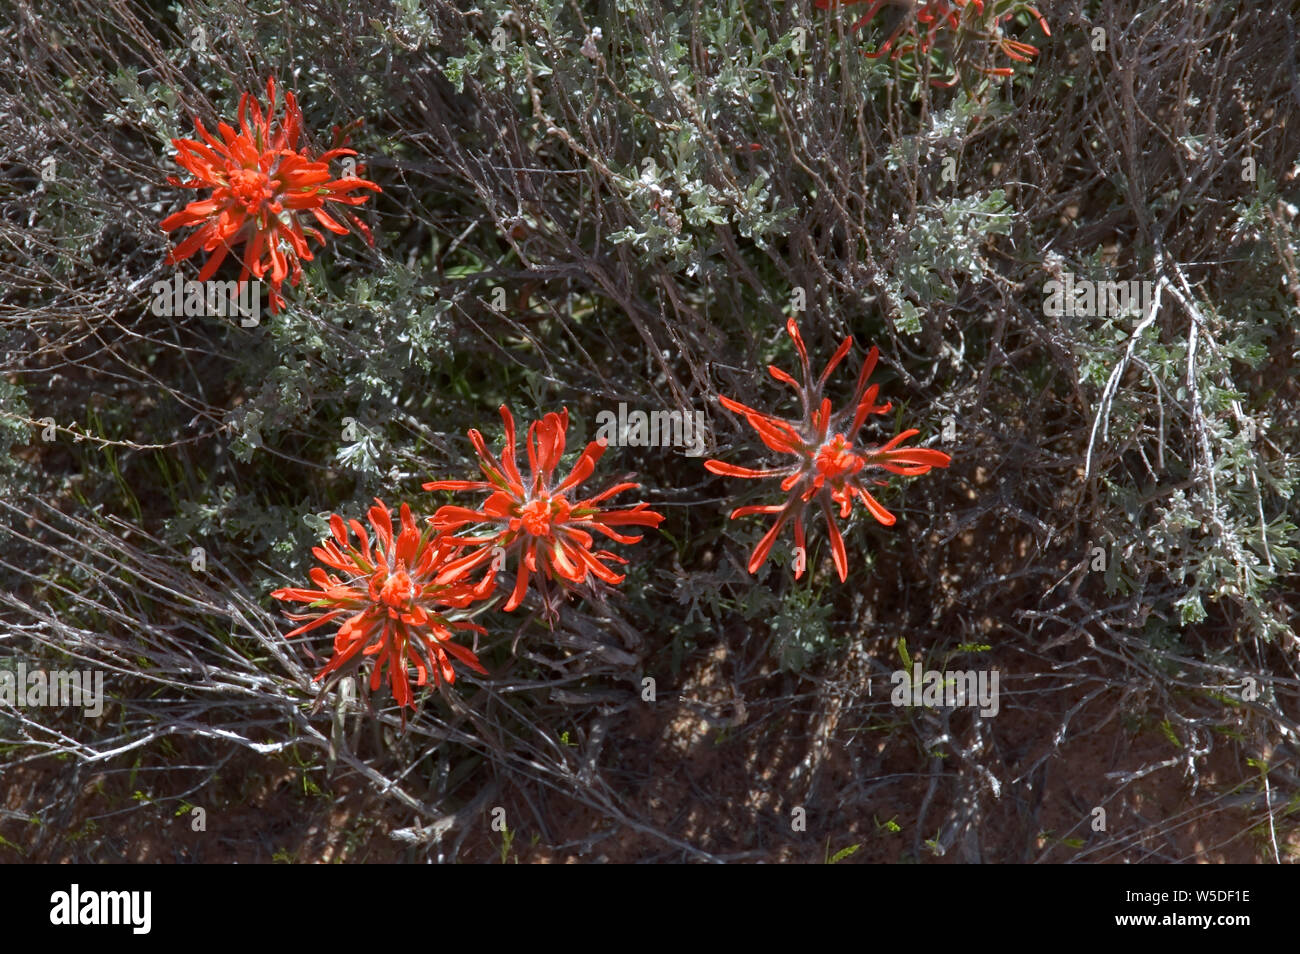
x=921 y=22
x=829 y=467
x=537 y=522
x=389 y=602
x=262 y=186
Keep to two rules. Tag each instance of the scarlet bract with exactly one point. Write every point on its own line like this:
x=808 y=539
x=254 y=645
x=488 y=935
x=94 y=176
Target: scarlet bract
x=829 y=466
x=389 y=601
x=262 y=185
x=537 y=522
x=919 y=26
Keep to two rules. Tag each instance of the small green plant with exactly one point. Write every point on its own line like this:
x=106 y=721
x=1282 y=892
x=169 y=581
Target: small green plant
x=507 y=840
x=839 y=855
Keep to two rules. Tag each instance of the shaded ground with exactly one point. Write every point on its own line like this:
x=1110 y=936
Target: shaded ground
x=719 y=774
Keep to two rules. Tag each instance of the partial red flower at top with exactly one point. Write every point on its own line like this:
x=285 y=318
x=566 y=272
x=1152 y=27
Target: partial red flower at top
x=830 y=467
x=263 y=188
x=537 y=523
x=389 y=602
x=919 y=24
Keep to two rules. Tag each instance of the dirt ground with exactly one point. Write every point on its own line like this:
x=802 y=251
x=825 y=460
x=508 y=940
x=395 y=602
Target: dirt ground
x=726 y=782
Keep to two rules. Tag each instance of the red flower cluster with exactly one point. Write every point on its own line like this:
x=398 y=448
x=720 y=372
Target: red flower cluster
x=968 y=19
x=537 y=522
x=390 y=602
x=829 y=466
x=262 y=185
x=393 y=598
